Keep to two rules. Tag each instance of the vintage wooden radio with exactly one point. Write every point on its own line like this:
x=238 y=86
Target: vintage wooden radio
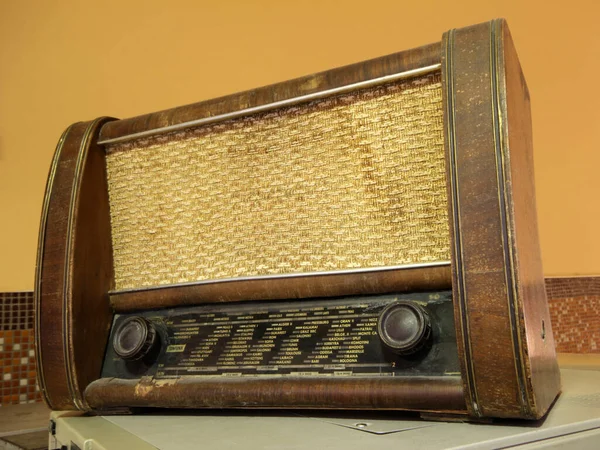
x=362 y=238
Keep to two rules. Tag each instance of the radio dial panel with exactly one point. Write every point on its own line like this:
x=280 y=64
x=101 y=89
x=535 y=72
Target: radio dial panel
x=385 y=335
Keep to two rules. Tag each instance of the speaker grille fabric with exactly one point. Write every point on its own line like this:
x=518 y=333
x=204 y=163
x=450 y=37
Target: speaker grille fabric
x=350 y=181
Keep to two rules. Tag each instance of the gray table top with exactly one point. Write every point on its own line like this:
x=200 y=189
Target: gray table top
x=573 y=421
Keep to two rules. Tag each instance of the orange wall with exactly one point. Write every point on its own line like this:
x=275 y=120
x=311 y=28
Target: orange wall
x=64 y=61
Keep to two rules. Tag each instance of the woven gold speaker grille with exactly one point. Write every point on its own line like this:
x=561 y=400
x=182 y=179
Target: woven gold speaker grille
x=350 y=181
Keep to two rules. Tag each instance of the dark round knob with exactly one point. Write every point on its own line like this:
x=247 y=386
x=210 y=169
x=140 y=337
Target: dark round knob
x=404 y=327
x=134 y=338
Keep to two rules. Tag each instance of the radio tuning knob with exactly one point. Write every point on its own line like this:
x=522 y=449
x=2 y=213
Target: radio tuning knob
x=404 y=327
x=134 y=338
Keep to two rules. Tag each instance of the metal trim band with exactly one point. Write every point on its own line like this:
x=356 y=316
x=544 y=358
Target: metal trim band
x=275 y=105
x=286 y=275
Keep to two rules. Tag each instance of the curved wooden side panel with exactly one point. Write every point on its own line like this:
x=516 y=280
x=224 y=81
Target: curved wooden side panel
x=508 y=362
x=74 y=269
x=54 y=341
x=535 y=329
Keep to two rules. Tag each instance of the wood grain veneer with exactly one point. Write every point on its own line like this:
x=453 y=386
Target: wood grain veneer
x=504 y=333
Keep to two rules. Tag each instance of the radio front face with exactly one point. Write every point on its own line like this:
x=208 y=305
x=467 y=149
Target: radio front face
x=347 y=240
x=349 y=183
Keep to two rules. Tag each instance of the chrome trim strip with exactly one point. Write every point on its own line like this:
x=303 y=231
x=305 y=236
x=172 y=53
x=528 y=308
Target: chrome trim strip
x=275 y=105
x=286 y=275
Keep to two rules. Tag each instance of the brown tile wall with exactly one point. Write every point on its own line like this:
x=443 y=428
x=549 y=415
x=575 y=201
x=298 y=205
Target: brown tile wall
x=574 y=308
x=575 y=312
x=17 y=349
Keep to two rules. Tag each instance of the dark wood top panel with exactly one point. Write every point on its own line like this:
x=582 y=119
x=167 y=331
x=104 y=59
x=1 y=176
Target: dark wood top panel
x=415 y=59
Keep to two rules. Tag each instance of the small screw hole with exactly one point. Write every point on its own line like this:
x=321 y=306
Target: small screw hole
x=361 y=425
